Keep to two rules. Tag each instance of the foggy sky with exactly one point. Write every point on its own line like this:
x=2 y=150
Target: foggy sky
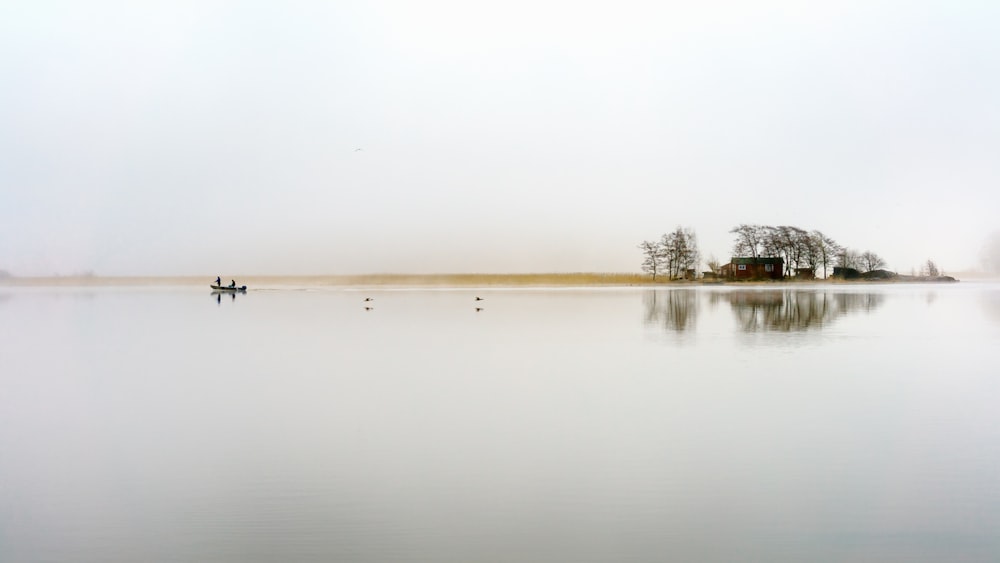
x=210 y=137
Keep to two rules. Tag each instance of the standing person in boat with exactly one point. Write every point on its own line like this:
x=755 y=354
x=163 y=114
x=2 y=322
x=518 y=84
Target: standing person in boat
x=218 y=281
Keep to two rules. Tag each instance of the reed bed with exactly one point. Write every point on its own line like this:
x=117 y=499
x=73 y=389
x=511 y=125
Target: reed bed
x=490 y=280
x=368 y=280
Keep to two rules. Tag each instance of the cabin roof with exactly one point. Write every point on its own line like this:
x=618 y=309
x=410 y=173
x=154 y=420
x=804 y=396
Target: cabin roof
x=758 y=260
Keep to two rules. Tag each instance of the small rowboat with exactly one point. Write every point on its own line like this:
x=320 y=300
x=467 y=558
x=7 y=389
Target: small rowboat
x=228 y=288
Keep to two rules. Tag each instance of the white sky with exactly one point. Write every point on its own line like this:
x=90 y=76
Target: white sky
x=209 y=137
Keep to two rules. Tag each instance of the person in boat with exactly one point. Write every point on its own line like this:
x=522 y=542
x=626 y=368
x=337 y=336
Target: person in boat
x=218 y=281
x=232 y=283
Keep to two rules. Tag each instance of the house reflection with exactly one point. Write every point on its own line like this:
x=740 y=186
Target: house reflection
x=794 y=310
x=757 y=310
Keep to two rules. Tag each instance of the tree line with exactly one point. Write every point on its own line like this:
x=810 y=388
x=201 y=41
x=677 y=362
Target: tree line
x=800 y=248
x=677 y=252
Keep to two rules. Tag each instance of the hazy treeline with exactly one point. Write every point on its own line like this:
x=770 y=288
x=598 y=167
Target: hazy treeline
x=677 y=252
x=798 y=247
x=990 y=254
x=808 y=249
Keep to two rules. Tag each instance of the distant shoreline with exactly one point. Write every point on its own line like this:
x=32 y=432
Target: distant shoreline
x=365 y=280
x=585 y=279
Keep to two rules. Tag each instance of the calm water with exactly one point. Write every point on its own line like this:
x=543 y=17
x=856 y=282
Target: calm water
x=705 y=424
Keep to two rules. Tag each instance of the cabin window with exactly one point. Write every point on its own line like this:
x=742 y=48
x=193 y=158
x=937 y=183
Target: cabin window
x=742 y=266
x=768 y=267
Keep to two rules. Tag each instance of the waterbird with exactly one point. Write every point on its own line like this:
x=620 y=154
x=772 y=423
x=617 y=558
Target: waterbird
x=479 y=309
x=479 y=298
x=369 y=308
x=358 y=149
x=369 y=299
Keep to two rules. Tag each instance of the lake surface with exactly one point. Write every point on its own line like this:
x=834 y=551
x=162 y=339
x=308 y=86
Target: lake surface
x=808 y=423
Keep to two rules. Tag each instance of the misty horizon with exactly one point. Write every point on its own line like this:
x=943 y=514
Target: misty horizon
x=184 y=139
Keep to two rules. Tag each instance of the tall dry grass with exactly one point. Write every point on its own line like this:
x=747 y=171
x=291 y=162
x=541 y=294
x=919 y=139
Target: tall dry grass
x=369 y=280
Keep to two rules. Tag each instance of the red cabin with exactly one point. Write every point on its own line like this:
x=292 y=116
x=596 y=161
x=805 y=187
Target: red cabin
x=749 y=268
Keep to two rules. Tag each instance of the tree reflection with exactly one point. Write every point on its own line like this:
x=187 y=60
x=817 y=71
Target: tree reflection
x=675 y=310
x=758 y=310
x=795 y=310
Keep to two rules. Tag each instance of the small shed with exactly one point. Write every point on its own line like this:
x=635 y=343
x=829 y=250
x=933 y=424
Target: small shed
x=846 y=273
x=805 y=273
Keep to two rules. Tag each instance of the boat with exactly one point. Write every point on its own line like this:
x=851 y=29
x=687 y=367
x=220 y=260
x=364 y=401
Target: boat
x=228 y=288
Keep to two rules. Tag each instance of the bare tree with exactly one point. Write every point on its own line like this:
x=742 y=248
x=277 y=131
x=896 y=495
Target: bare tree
x=749 y=240
x=680 y=251
x=871 y=261
x=652 y=256
x=713 y=264
x=826 y=250
x=811 y=251
x=803 y=249
x=931 y=269
x=848 y=258
x=669 y=258
x=691 y=256
x=770 y=242
x=790 y=243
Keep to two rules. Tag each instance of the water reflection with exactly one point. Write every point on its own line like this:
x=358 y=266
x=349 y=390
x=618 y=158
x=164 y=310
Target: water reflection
x=555 y=428
x=758 y=310
x=793 y=310
x=675 y=310
x=217 y=294
x=991 y=304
